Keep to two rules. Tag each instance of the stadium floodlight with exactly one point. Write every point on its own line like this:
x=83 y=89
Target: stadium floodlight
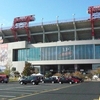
x=73 y=16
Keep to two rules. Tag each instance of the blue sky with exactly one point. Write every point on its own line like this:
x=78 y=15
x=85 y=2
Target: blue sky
x=46 y=9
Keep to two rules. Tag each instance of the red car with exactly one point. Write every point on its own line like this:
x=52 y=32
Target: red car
x=4 y=78
x=75 y=80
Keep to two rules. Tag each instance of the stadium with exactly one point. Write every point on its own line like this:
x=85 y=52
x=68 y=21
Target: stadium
x=58 y=46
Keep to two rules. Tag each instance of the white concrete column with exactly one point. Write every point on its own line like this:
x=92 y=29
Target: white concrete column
x=75 y=67
x=59 y=68
x=42 y=69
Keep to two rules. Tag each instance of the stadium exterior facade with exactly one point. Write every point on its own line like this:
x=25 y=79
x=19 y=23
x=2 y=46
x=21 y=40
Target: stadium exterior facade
x=56 y=46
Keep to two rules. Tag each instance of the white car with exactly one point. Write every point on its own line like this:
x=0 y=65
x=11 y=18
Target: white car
x=57 y=77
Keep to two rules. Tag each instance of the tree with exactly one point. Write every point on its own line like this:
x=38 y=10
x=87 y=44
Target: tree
x=13 y=69
x=78 y=74
x=98 y=70
x=16 y=73
x=8 y=67
x=48 y=74
x=89 y=75
x=28 y=69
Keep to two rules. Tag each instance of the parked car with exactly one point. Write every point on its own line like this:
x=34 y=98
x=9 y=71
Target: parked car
x=57 y=77
x=21 y=78
x=75 y=80
x=4 y=78
x=50 y=80
x=80 y=79
x=30 y=79
x=65 y=80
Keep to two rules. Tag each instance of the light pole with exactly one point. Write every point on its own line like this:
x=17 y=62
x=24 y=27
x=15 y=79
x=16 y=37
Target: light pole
x=57 y=18
x=1 y=38
x=73 y=16
x=1 y=27
x=42 y=21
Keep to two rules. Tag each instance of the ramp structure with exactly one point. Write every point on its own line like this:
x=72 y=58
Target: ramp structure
x=94 y=12
x=22 y=22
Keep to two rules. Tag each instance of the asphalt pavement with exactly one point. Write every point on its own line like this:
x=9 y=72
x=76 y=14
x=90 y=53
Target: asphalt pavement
x=49 y=91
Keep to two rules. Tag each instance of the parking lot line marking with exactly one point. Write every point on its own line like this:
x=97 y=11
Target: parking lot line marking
x=6 y=96
x=14 y=92
x=42 y=92
x=97 y=99
x=15 y=87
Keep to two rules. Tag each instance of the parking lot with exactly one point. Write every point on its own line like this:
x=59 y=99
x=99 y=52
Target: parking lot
x=48 y=91
x=14 y=90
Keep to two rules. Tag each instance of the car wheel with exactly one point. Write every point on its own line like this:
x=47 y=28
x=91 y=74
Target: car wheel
x=43 y=82
x=25 y=83
x=70 y=82
x=76 y=82
x=37 y=83
x=33 y=83
x=6 y=82
x=21 y=83
x=60 y=82
x=2 y=81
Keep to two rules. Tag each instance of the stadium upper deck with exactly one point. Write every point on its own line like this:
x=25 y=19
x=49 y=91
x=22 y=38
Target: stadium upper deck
x=55 y=31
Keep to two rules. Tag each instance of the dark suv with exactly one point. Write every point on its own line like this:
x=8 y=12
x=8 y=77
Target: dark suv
x=50 y=80
x=65 y=80
x=30 y=79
